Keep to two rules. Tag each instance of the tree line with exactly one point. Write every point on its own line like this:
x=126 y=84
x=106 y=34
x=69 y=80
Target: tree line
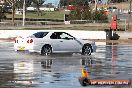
x=2 y=14
x=117 y=1
x=75 y=2
x=83 y=11
x=18 y=4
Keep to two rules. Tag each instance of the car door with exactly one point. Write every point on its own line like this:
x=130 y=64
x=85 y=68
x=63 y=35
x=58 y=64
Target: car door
x=69 y=44
x=56 y=42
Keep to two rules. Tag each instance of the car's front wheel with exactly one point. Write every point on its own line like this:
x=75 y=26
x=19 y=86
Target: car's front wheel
x=86 y=50
x=46 y=50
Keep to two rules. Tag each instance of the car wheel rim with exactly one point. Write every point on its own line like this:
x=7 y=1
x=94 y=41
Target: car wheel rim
x=87 y=50
x=46 y=51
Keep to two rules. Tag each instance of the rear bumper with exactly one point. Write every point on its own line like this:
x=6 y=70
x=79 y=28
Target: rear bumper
x=26 y=48
x=23 y=47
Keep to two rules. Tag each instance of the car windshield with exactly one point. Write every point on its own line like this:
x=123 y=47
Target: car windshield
x=40 y=34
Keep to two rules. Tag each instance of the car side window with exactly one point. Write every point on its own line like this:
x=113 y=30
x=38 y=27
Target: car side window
x=40 y=34
x=55 y=35
x=66 y=36
x=61 y=35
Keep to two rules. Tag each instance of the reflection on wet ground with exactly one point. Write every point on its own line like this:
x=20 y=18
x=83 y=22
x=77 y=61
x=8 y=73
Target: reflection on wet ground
x=23 y=69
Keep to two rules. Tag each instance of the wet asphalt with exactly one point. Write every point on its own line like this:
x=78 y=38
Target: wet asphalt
x=31 y=70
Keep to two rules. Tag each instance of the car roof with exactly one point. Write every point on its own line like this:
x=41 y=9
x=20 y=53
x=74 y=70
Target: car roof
x=51 y=31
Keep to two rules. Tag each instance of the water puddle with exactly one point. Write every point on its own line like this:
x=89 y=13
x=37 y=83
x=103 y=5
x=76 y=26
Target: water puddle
x=111 y=61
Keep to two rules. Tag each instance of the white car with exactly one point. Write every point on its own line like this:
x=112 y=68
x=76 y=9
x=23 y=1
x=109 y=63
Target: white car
x=47 y=43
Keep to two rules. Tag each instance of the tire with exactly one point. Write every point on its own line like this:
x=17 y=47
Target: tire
x=46 y=50
x=87 y=50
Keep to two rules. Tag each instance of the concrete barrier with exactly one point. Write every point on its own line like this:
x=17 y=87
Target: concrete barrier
x=75 y=33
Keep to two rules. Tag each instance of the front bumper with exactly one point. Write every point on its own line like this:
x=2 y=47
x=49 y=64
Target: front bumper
x=94 y=47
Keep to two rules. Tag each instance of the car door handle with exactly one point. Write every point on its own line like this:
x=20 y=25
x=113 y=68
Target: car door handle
x=61 y=41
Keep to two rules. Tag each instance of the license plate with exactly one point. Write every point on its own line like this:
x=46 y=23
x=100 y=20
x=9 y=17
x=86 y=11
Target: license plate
x=21 y=48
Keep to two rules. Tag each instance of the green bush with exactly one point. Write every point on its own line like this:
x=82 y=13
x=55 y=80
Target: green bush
x=99 y=15
x=75 y=15
x=85 y=13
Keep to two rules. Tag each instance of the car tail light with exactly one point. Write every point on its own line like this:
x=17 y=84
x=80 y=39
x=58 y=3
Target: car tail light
x=27 y=41
x=16 y=41
x=30 y=41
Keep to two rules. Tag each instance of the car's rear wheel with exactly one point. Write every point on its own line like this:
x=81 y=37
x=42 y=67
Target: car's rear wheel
x=46 y=50
x=86 y=50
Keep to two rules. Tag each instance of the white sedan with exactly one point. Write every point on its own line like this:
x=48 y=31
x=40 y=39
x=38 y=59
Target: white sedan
x=47 y=43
